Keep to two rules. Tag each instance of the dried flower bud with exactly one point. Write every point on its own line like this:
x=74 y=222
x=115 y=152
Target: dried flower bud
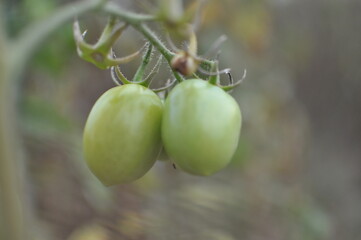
x=184 y=63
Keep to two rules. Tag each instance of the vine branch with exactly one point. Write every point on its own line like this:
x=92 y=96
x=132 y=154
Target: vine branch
x=137 y=22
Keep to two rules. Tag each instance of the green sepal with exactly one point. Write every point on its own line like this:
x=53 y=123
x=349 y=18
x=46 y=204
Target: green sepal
x=214 y=79
x=139 y=75
x=101 y=53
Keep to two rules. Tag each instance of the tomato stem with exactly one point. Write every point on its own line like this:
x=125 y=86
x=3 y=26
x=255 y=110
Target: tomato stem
x=139 y=75
x=168 y=55
x=137 y=22
x=12 y=199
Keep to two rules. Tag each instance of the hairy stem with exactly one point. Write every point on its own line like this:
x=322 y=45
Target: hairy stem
x=159 y=45
x=137 y=22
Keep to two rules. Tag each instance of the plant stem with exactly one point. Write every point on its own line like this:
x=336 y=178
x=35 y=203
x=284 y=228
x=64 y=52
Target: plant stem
x=139 y=74
x=168 y=55
x=11 y=217
x=127 y=16
x=11 y=208
x=137 y=22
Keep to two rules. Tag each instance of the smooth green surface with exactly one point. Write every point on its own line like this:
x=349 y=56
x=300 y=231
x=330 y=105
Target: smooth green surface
x=122 y=134
x=200 y=127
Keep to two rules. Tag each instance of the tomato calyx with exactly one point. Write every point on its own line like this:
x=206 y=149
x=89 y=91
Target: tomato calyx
x=233 y=84
x=215 y=78
x=101 y=53
x=139 y=77
x=188 y=63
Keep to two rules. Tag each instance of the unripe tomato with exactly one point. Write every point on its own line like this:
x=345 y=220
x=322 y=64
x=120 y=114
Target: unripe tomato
x=122 y=134
x=200 y=127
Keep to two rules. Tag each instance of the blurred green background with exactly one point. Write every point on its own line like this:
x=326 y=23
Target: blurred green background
x=296 y=174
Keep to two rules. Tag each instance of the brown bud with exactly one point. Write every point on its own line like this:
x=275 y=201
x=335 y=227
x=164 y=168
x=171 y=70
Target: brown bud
x=184 y=63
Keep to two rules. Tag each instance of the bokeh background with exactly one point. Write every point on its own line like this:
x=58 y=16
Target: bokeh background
x=296 y=174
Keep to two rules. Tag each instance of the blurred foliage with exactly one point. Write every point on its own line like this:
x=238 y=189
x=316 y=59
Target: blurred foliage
x=55 y=55
x=248 y=21
x=40 y=117
x=22 y=12
x=265 y=193
x=92 y=232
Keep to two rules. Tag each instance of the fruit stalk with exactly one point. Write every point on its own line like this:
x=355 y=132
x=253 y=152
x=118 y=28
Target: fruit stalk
x=137 y=22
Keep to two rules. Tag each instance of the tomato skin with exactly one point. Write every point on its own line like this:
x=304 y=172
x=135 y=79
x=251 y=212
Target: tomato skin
x=200 y=127
x=122 y=136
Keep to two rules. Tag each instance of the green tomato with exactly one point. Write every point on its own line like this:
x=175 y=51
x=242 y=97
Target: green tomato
x=122 y=134
x=200 y=127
